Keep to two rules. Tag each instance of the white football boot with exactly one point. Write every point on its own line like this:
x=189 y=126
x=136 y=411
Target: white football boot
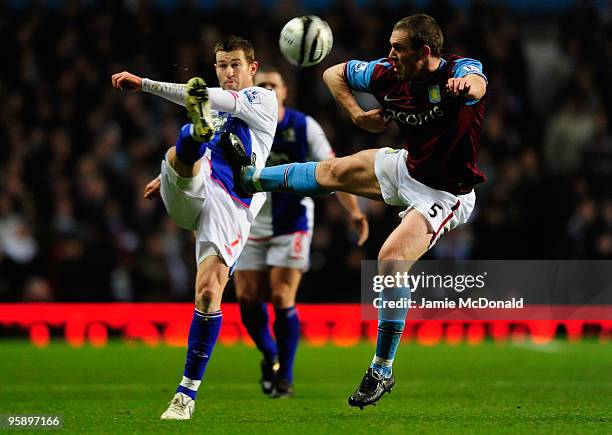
x=180 y=408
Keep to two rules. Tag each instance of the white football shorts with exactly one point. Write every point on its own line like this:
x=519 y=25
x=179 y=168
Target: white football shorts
x=202 y=205
x=288 y=250
x=443 y=210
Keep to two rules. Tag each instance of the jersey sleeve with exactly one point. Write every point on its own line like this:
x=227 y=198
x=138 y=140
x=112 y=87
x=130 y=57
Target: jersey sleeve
x=256 y=106
x=174 y=92
x=466 y=66
x=361 y=75
x=318 y=145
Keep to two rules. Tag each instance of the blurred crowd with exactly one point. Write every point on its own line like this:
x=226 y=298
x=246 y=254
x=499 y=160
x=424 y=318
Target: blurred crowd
x=76 y=153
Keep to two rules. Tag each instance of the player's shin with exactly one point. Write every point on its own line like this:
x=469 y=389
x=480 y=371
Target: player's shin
x=203 y=335
x=255 y=320
x=287 y=331
x=391 y=323
x=188 y=150
x=298 y=178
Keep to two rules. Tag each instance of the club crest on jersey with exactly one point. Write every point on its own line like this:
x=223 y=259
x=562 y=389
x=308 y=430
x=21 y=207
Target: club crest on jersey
x=434 y=94
x=278 y=158
x=288 y=135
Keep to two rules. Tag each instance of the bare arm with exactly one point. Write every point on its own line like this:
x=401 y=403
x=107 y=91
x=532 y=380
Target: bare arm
x=372 y=120
x=358 y=219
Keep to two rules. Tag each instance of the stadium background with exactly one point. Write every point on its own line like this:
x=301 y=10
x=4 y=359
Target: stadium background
x=76 y=153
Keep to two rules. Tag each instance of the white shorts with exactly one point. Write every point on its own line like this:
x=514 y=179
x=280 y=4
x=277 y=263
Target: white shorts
x=443 y=210
x=200 y=204
x=288 y=250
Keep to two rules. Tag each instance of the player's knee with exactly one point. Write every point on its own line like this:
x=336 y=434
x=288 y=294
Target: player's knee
x=394 y=259
x=207 y=292
x=205 y=299
x=394 y=256
x=171 y=155
x=281 y=299
x=248 y=297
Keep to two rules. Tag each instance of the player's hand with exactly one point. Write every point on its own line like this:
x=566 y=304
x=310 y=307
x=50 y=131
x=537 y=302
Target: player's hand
x=372 y=120
x=361 y=225
x=127 y=80
x=152 y=189
x=458 y=87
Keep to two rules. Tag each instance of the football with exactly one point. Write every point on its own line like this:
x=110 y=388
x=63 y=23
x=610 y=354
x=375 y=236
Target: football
x=305 y=41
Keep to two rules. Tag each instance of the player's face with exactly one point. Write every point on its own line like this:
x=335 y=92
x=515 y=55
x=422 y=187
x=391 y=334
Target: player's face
x=233 y=70
x=274 y=82
x=408 y=62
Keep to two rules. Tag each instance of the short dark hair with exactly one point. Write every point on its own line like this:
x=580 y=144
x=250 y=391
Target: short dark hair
x=233 y=42
x=423 y=30
x=268 y=69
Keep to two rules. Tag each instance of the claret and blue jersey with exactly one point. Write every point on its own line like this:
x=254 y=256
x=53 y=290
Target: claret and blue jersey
x=440 y=132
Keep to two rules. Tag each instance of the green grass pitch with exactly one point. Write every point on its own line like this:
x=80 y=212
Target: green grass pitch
x=491 y=388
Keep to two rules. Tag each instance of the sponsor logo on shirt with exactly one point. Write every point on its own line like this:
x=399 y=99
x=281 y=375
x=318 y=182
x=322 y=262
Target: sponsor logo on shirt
x=391 y=151
x=415 y=119
x=386 y=98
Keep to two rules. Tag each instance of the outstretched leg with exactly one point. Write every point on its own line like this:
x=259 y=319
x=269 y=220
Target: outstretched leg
x=352 y=174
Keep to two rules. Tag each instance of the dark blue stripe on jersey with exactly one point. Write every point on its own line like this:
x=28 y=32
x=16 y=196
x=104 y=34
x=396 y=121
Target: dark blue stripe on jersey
x=290 y=145
x=221 y=170
x=288 y=214
x=290 y=142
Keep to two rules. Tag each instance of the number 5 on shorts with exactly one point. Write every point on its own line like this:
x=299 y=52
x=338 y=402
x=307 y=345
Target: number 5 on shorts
x=433 y=212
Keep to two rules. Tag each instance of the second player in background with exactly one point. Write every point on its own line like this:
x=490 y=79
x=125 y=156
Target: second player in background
x=277 y=251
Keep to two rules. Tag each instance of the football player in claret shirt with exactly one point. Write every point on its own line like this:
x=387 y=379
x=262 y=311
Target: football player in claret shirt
x=438 y=102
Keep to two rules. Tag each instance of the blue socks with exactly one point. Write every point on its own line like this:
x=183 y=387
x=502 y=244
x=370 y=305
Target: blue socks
x=287 y=331
x=391 y=323
x=255 y=320
x=296 y=178
x=202 y=337
x=188 y=150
